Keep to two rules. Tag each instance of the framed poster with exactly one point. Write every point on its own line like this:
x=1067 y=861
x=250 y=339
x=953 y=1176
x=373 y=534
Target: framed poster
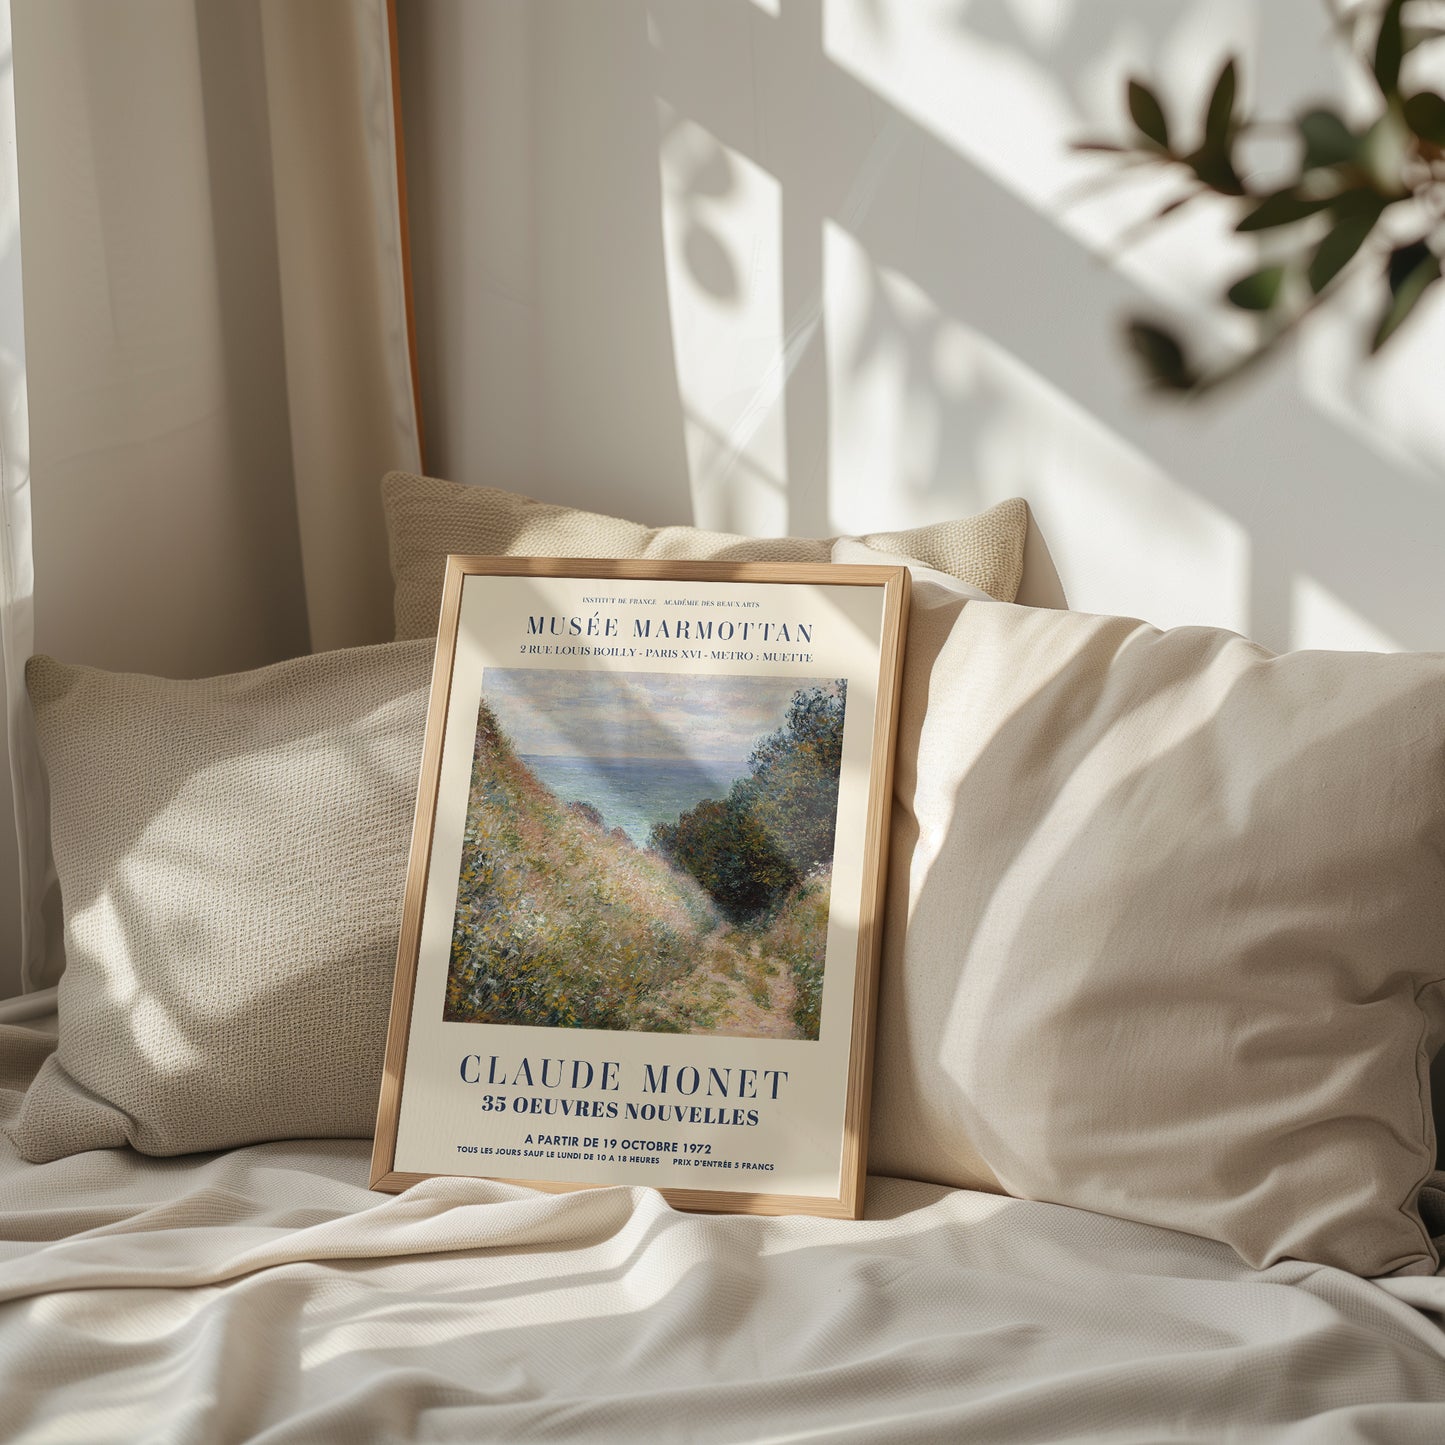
x=641 y=925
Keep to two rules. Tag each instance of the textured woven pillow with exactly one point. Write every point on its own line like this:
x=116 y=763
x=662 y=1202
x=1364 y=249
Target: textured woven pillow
x=427 y=518
x=232 y=855
x=1166 y=929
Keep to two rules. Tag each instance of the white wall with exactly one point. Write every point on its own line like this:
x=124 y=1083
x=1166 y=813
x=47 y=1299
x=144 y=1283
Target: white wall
x=788 y=264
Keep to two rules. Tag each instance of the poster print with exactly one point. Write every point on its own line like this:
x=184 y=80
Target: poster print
x=641 y=917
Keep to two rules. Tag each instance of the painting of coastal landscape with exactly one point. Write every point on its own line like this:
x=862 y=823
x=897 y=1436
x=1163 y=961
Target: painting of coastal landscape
x=648 y=852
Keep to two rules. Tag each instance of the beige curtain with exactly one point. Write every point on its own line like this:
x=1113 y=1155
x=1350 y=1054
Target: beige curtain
x=329 y=87
x=20 y=782
x=218 y=361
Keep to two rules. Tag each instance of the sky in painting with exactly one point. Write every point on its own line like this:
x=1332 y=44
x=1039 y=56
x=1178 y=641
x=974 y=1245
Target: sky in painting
x=638 y=714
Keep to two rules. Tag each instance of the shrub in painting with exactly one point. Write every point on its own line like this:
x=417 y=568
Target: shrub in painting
x=750 y=850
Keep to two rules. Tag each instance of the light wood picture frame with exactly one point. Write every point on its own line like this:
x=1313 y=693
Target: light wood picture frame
x=643 y=908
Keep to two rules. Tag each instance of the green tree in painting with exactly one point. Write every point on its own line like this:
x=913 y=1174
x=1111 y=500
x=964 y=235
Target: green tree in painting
x=730 y=852
x=752 y=848
x=793 y=788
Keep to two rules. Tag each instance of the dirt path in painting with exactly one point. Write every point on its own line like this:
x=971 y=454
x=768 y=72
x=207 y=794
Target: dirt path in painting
x=744 y=994
x=760 y=994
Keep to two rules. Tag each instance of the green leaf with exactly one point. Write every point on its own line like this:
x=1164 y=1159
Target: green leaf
x=1328 y=140
x=1216 y=170
x=1257 y=291
x=1425 y=115
x=1283 y=208
x=1359 y=201
x=1385 y=151
x=1219 y=119
x=1148 y=114
x=1341 y=243
x=1213 y=163
x=1413 y=270
x=1162 y=357
x=1390 y=48
x=1404 y=260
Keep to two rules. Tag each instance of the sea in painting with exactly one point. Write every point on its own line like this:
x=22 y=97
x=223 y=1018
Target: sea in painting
x=634 y=793
x=648 y=852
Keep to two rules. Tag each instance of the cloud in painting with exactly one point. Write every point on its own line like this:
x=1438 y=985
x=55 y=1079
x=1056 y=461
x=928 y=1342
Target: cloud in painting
x=637 y=714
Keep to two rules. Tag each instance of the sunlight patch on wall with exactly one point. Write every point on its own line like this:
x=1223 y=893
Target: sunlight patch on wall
x=931 y=419
x=1396 y=398
x=721 y=216
x=1010 y=84
x=1388 y=402
x=990 y=102
x=1320 y=619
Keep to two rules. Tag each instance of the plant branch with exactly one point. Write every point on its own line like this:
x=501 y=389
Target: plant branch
x=1336 y=205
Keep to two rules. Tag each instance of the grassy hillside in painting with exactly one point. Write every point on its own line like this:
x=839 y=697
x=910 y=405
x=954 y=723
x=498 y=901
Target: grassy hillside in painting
x=564 y=922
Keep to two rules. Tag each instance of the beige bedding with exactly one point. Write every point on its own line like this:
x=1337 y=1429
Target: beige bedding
x=266 y=1294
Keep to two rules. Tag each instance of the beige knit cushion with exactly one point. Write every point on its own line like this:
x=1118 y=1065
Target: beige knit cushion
x=427 y=518
x=1166 y=929
x=232 y=854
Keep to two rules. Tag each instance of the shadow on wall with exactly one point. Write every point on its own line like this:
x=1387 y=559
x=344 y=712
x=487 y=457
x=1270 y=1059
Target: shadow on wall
x=813 y=257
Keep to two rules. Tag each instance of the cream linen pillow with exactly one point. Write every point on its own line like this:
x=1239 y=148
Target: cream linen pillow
x=232 y=855
x=1166 y=929
x=427 y=518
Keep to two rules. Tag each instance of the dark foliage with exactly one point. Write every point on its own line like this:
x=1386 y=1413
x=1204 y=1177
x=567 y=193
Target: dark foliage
x=750 y=849
x=587 y=811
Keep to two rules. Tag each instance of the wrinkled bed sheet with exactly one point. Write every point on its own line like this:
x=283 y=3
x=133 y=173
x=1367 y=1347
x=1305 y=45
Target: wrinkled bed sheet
x=266 y=1294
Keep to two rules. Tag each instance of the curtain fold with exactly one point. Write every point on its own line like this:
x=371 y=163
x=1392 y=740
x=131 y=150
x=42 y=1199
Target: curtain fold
x=220 y=362
x=25 y=882
x=339 y=225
